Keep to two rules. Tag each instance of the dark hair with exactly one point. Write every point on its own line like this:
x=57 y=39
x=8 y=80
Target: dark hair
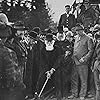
x=67 y=6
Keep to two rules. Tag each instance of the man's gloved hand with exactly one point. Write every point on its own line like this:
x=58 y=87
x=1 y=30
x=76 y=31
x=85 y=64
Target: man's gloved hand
x=52 y=70
x=81 y=60
x=48 y=74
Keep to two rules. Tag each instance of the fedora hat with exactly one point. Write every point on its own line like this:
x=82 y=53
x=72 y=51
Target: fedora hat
x=4 y=19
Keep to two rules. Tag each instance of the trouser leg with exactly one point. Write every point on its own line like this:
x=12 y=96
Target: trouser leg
x=83 y=74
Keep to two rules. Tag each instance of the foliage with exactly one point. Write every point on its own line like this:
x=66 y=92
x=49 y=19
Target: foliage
x=32 y=13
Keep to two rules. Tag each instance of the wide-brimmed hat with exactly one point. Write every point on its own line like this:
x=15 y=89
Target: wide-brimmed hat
x=20 y=26
x=4 y=19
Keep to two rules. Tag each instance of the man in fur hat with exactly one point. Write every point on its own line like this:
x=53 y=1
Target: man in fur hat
x=49 y=56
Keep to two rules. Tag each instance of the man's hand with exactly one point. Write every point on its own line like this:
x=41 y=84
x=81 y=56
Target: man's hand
x=81 y=60
x=52 y=70
x=92 y=69
x=48 y=74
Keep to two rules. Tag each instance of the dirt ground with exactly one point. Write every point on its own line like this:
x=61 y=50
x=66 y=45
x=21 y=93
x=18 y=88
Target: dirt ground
x=72 y=99
x=48 y=98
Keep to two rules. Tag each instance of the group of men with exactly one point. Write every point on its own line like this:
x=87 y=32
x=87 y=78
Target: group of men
x=84 y=49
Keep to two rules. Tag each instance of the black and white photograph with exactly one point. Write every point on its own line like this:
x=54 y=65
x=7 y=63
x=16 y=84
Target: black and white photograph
x=49 y=49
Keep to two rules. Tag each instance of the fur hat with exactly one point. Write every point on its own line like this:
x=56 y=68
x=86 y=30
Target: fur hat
x=49 y=37
x=5 y=31
x=4 y=19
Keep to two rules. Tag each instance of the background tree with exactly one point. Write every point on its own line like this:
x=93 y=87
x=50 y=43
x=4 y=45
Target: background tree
x=34 y=13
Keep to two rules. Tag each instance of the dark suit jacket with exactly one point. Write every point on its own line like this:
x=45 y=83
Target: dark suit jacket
x=71 y=21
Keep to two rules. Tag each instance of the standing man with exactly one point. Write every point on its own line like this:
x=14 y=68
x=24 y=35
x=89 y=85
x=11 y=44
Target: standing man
x=67 y=19
x=96 y=68
x=83 y=49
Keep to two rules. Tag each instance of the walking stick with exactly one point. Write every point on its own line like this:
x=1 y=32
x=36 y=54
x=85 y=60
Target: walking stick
x=43 y=86
x=48 y=77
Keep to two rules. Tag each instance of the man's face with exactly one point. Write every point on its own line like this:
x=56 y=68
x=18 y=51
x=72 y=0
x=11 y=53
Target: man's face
x=61 y=37
x=49 y=43
x=69 y=38
x=67 y=9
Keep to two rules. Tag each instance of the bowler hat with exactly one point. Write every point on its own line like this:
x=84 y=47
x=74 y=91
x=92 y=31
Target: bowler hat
x=20 y=26
x=33 y=34
x=36 y=29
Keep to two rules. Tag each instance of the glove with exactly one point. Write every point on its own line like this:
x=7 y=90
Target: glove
x=48 y=74
x=81 y=60
x=52 y=70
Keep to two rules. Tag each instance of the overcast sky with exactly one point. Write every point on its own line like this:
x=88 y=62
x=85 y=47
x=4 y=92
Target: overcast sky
x=58 y=6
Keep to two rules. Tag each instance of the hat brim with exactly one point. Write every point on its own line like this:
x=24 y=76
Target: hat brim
x=10 y=23
x=21 y=28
